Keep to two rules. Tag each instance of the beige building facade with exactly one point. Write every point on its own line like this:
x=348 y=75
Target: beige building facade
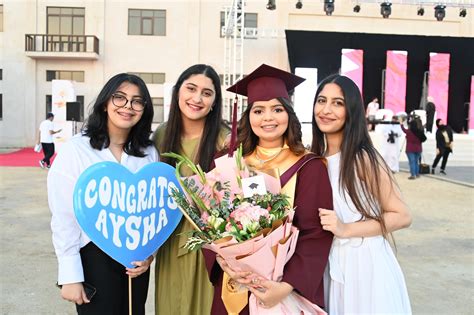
x=88 y=41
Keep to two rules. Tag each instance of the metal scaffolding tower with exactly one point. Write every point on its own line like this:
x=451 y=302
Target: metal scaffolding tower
x=233 y=33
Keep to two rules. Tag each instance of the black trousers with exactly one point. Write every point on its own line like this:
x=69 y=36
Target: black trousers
x=111 y=282
x=445 y=156
x=48 y=151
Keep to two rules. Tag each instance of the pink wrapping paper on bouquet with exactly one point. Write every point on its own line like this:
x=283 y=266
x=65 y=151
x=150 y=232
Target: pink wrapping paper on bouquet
x=246 y=255
x=267 y=256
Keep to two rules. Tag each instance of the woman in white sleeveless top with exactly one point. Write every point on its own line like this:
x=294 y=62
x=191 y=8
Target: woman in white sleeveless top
x=364 y=275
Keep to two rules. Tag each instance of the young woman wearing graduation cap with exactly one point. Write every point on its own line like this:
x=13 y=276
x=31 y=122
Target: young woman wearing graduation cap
x=270 y=134
x=195 y=129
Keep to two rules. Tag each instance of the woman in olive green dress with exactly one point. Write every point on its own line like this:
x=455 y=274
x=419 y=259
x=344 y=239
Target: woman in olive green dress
x=195 y=129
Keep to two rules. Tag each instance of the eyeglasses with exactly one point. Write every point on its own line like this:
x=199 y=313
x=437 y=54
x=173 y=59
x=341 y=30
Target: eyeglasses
x=121 y=101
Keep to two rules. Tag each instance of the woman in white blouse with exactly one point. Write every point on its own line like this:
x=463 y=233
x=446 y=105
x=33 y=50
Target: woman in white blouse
x=117 y=130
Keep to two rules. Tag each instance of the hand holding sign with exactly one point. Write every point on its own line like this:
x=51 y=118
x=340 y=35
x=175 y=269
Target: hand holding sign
x=128 y=216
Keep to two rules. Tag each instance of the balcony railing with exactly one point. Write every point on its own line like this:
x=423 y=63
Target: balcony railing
x=61 y=43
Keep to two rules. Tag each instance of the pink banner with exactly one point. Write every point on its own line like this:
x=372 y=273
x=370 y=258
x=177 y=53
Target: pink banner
x=352 y=65
x=471 y=108
x=438 y=83
x=396 y=81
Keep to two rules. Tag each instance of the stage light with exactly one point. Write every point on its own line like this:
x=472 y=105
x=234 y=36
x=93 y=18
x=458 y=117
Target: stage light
x=329 y=7
x=386 y=9
x=271 y=5
x=440 y=12
x=421 y=11
x=299 y=4
x=462 y=12
x=356 y=8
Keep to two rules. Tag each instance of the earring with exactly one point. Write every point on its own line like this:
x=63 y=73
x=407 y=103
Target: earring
x=212 y=107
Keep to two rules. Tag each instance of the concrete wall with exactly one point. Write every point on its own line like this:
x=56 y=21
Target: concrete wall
x=192 y=36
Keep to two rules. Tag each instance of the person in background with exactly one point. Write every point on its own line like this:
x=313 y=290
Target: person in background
x=371 y=111
x=117 y=130
x=390 y=145
x=45 y=137
x=444 y=146
x=414 y=136
x=364 y=275
x=430 y=113
x=270 y=134
x=195 y=129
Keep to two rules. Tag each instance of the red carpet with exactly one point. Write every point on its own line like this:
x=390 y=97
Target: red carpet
x=23 y=157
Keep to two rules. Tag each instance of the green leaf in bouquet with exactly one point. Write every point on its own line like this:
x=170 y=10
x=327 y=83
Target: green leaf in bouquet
x=182 y=159
x=264 y=222
x=190 y=210
x=222 y=226
x=213 y=203
x=196 y=240
x=238 y=158
x=235 y=230
x=190 y=190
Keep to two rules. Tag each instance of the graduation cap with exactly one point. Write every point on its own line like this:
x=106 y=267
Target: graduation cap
x=266 y=83
x=253 y=186
x=263 y=84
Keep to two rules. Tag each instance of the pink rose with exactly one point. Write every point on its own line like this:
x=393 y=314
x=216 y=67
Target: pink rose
x=205 y=217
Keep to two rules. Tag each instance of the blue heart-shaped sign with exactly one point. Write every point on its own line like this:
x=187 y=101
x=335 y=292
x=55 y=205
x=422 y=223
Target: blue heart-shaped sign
x=128 y=216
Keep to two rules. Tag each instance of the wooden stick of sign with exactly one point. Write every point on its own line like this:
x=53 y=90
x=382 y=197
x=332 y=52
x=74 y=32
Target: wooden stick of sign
x=186 y=215
x=129 y=295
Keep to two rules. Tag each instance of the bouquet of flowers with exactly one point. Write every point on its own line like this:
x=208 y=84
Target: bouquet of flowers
x=241 y=215
x=217 y=207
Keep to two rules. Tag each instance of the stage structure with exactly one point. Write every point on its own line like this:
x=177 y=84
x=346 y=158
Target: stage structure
x=415 y=76
x=395 y=81
x=438 y=83
x=352 y=65
x=233 y=32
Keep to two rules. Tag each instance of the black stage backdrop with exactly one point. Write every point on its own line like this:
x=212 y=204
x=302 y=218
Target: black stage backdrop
x=322 y=50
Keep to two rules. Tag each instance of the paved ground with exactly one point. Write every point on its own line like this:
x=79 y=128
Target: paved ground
x=456 y=174
x=436 y=253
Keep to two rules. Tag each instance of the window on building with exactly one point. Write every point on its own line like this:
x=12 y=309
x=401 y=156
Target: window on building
x=158 y=109
x=251 y=21
x=1 y=74
x=77 y=76
x=151 y=77
x=147 y=22
x=65 y=21
x=49 y=104
x=1 y=17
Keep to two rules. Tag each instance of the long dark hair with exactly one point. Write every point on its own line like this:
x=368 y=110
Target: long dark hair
x=213 y=124
x=360 y=163
x=416 y=126
x=292 y=135
x=96 y=124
